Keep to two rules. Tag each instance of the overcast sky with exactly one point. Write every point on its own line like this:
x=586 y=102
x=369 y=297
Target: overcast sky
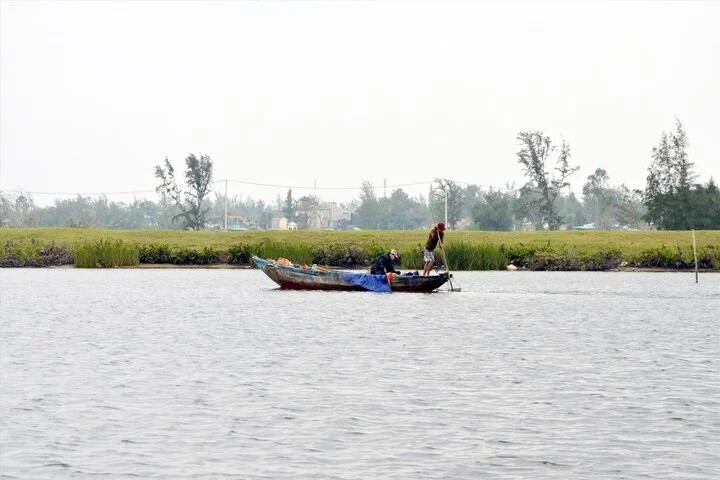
x=93 y=95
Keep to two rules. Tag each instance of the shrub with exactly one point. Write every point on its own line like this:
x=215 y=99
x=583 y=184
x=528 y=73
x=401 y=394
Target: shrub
x=239 y=253
x=155 y=253
x=105 y=254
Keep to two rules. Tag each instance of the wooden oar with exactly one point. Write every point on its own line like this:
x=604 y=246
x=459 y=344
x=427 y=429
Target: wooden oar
x=447 y=268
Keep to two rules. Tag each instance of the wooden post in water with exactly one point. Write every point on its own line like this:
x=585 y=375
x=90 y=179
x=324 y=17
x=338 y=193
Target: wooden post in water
x=695 y=255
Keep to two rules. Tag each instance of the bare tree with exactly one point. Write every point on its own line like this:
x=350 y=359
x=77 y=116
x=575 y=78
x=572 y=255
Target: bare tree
x=17 y=210
x=307 y=212
x=542 y=190
x=198 y=178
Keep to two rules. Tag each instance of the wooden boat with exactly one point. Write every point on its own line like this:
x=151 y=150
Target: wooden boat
x=308 y=278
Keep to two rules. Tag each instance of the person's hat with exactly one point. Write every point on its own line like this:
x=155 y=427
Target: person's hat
x=441 y=226
x=393 y=252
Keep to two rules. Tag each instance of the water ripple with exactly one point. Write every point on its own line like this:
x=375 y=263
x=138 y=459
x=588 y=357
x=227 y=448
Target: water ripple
x=208 y=374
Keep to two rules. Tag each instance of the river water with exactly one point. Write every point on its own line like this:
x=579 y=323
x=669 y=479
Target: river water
x=205 y=374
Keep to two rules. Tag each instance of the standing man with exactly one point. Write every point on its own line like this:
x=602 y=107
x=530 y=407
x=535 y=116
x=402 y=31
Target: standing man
x=437 y=234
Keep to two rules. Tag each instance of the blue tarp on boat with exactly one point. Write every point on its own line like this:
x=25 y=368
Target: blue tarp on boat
x=374 y=283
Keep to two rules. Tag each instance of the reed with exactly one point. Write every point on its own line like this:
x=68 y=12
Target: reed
x=297 y=252
x=475 y=256
x=106 y=254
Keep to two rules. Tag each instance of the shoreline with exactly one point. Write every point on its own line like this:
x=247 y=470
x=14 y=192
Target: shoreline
x=471 y=250
x=226 y=266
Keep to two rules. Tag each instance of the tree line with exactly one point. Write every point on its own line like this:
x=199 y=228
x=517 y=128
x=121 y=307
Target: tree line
x=671 y=200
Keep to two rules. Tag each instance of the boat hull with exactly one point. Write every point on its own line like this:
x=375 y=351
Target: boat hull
x=295 y=278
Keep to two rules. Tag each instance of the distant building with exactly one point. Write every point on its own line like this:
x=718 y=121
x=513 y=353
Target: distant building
x=327 y=216
x=587 y=226
x=280 y=223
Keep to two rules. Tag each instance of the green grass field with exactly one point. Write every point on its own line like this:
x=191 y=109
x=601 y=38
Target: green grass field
x=557 y=250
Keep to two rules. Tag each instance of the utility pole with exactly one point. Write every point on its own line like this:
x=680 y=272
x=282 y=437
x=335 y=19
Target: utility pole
x=446 y=195
x=225 y=205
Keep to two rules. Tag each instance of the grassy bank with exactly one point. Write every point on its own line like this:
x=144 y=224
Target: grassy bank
x=465 y=250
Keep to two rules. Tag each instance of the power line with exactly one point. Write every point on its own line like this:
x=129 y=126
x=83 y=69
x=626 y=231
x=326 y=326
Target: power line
x=89 y=194
x=262 y=184
x=298 y=187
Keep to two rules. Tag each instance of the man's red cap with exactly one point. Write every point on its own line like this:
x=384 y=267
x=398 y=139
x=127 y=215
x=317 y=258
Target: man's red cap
x=441 y=226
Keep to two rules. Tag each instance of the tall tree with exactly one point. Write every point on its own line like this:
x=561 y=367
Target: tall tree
x=367 y=214
x=601 y=201
x=534 y=155
x=307 y=212
x=400 y=212
x=289 y=208
x=667 y=193
x=198 y=178
x=446 y=193
x=494 y=211
x=630 y=208
x=571 y=210
x=471 y=195
x=704 y=213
